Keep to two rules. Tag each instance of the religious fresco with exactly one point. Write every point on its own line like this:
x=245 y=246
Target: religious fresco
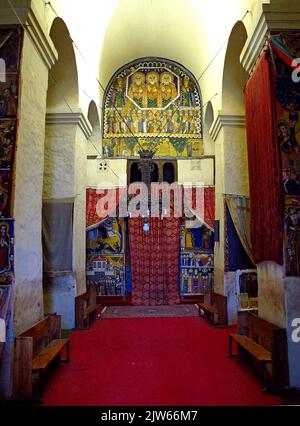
x=10 y=52
x=6 y=251
x=153 y=103
x=106 y=257
x=197 y=238
x=196 y=260
x=288 y=127
x=7 y=142
x=107 y=273
x=10 y=47
x=196 y=272
x=292 y=236
x=9 y=96
x=4 y=300
x=288 y=122
x=107 y=238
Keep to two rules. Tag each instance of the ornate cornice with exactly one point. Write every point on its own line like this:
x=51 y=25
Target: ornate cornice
x=273 y=18
x=76 y=118
x=24 y=14
x=223 y=120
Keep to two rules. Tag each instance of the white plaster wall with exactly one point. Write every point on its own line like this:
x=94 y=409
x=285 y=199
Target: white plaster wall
x=59 y=295
x=196 y=171
x=236 y=177
x=80 y=211
x=219 y=215
x=114 y=176
x=271 y=299
x=230 y=293
x=65 y=177
x=59 y=176
x=27 y=196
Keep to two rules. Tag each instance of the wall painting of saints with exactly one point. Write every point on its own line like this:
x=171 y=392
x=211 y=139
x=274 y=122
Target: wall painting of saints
x=153 y=103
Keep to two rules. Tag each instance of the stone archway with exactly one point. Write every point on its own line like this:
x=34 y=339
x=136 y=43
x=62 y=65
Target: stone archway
x=64 y=194
x=229 y=133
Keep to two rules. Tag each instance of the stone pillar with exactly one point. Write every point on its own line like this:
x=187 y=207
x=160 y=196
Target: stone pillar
x=65 y=178
x=229 y=134
x=38 y=56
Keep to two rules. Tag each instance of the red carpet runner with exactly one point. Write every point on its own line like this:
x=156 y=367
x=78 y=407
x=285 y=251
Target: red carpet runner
x=153 y=361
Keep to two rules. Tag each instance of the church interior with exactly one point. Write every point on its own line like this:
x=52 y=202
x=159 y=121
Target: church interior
x=149 y=202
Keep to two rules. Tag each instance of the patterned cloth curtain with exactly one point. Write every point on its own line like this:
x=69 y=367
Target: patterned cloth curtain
x=203 y=205
x=264 y=165
x=239 y=208
x=154 y=261
x=93 y=215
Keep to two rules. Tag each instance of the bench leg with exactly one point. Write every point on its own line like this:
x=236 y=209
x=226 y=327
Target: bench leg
x=230 y=355
x=265 y=378
x=39 y=387
x=216 y=319
x=67 y=360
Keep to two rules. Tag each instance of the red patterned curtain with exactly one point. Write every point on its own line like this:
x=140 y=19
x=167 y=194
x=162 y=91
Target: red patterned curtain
x=154 y=261
x=93 y=215
x=204 y=208
x=209 y=206
x=264 y=165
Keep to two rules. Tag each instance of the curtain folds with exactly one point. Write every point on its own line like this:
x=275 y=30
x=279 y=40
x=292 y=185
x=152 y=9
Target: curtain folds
x=264 y=165
x=239 y=208
x=94 y=214
x=57 y=234
x=154 y=261
x=203 y=205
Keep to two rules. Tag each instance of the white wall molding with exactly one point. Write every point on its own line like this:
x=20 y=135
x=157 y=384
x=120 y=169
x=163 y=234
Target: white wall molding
x=223 y=120
x=24 y=13
x=273 y=18
x=41 y=40
x=76 y=118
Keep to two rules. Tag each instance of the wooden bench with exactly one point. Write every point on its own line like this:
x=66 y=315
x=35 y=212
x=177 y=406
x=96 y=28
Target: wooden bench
x=86 y=306
x=34 y=351
x=265 y=345
x=214 y=308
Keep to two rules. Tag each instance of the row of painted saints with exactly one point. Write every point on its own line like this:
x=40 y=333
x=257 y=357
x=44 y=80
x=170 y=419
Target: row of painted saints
x=132 y=122
x=153 y=100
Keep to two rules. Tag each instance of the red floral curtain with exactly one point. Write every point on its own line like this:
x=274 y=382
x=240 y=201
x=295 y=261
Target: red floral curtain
x=154 y=261
x=264 y=165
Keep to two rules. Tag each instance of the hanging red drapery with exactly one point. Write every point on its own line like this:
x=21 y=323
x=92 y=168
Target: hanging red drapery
x=264 y=165
x=154 y=261
x=94 y=215
x=203 y=204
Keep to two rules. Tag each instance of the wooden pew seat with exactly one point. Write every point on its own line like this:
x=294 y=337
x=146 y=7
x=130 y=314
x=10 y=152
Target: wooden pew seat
x=35 y=349
x=42 y=360
x=266 y=344
x=260 y=353
x=214 y=308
